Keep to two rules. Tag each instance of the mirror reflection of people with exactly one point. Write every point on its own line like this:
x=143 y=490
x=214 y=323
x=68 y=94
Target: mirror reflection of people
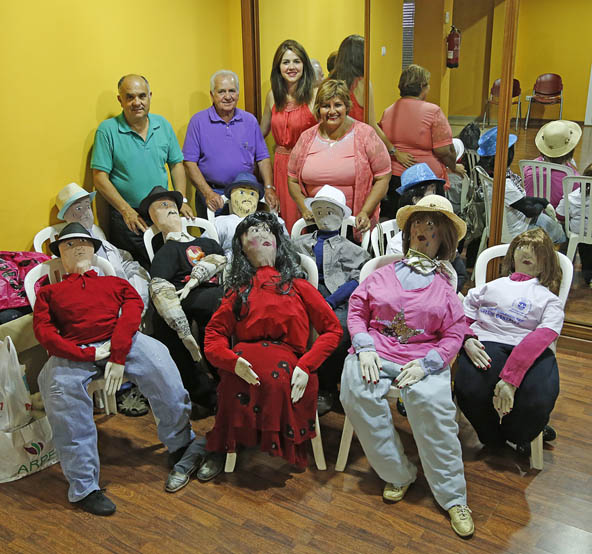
x=556 y=141
x=339 y=261
x=319 y=73
x=89 y=325
x=288 y=112
x=507 y=379
x=221 y=141
x=129 y=157
x=521 y=212
x=576 y=212
x=268 y=378
x=419 y=131
x=407 y=325
x=342 y=152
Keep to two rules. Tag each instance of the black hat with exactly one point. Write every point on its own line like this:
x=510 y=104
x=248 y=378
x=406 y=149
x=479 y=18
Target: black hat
x=244 y=179
x=73 y=231
x=156 y=193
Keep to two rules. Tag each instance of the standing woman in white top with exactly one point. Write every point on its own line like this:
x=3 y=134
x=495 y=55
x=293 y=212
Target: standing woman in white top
x=507 y=379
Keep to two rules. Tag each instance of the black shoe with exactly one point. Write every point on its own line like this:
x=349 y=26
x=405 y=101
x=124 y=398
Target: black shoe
x=212 y=467
x=549 y=434
x=523 y=449
x=401 y=407
x=97 y=503
x=325 y=401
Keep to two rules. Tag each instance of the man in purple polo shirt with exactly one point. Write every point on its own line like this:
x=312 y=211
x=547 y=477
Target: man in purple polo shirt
x=221 y=142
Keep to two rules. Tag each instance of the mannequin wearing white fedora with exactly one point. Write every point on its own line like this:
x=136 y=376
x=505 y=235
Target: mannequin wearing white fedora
x=556 y=141
x=75 y=205
x=407 y=324
x=339 y=261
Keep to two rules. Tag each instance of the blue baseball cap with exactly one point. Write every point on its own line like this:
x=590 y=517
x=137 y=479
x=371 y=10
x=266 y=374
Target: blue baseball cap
x=488 y=141
x=244 y=179
x=416 y=175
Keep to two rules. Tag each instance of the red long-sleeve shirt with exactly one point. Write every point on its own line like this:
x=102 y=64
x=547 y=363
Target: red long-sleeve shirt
x=87 y=308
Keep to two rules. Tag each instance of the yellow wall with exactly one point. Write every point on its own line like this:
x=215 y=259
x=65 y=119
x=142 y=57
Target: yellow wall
x=386 y=29
x=61 y=63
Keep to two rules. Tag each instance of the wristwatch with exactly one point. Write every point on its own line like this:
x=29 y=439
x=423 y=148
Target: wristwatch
x=269 y=187
x=392 y=151
x=185 y=201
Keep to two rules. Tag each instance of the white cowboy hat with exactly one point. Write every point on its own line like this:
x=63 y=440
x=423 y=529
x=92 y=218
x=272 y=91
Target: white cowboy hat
x=70 y=194
x=330 y=194
x=433 y=203
x=558 y=138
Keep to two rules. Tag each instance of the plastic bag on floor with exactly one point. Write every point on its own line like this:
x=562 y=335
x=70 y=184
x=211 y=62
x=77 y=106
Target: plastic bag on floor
x=15 y=398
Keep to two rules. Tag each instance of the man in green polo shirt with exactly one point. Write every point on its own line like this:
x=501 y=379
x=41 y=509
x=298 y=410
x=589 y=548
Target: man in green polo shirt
x=128 y=161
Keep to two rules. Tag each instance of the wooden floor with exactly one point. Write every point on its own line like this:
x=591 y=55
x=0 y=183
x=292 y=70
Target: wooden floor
x=267 y=506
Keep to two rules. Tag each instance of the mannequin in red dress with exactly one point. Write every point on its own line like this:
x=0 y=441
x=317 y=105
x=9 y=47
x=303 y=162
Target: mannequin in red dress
x=288 y=112
x=268 y=388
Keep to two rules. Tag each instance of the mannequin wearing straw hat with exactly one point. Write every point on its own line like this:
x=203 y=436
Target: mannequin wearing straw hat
x=556 y=141
x=407 y=324
x=339 y=261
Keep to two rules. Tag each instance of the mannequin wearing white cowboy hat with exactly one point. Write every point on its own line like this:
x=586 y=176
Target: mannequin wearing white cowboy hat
x=407 y=325
x=521 y=212
x=75 y=204
x=339 y=261
x=89 y=324
x=556 y=141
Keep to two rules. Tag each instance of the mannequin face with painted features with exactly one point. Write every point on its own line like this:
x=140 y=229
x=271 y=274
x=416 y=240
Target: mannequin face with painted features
x=327 y=216
x=243 y=201
x=259 y=245
x=165 y=215
x=76 y=254
x=526 y=260
x=424 y=234
x=80 y=212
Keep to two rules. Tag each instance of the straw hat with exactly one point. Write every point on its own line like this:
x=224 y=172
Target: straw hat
x=73 y=231
x=70 y=194
x=433 y=203
x=558 y=138
x=330 y=194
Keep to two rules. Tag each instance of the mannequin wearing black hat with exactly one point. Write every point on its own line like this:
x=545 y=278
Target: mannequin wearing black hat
x=88 y=324
x=184 y=288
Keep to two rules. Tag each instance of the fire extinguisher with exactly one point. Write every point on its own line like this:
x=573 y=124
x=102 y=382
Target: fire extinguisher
x=453 y=47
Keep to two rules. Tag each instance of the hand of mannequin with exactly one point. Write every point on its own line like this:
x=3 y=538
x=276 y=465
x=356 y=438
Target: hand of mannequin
x=203 y=271
x=191 y=345
x=299 y=382
x=370 y=365
x=550 y=211
x=244 y=370
x=411 y=373
x=476 y=353
x=503 y=398
x=103 y=351
x=113 y=377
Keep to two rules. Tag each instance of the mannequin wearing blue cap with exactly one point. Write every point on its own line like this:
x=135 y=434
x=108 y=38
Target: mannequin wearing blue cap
x=521 y=212
x=416 y=182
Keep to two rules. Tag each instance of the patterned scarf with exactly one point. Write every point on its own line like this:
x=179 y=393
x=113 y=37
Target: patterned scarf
x=425 y=265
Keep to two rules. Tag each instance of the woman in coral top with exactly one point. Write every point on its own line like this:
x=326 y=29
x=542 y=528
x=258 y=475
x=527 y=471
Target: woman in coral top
x=288 y=112
x=342 y=152
x=420 y=130
x=268 y=383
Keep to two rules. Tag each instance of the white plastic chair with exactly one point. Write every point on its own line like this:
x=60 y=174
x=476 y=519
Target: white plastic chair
x=310 y=268
x=472 y=160
x=536 y=446
x=211 y=214
x=51 y=233
x=394 y=393
x=541 y=176
x=487 y=187
x=584 y=233
x=198 y=222
x=55 y=270
x=388 y=229
x=350 y=221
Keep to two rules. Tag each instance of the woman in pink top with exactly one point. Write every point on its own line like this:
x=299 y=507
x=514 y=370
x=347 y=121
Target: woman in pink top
x=420 y=130
x=556 y=141
x=287 y=113
x=341 y=152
